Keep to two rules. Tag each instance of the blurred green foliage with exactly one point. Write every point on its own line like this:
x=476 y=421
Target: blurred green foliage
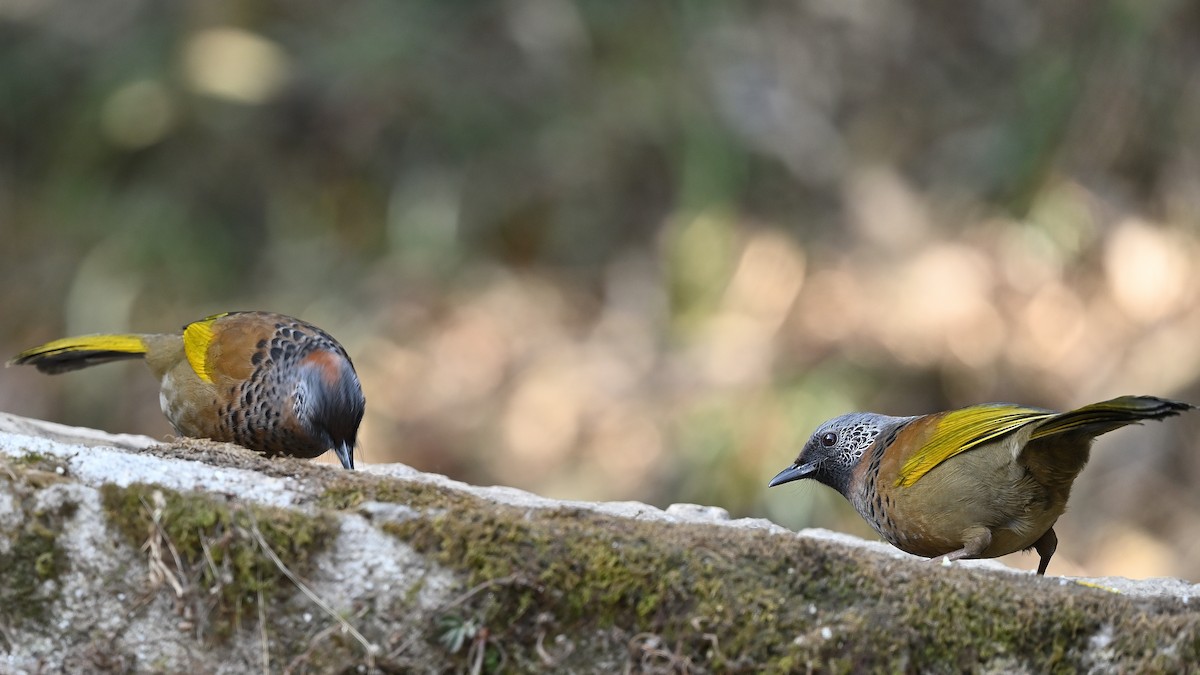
x=613 y=249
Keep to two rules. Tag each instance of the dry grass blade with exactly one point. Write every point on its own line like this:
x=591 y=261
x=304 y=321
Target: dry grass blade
x=156 y=540
x=370 y=648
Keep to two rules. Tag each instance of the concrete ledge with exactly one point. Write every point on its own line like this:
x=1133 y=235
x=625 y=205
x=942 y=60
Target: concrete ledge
x=122 y=553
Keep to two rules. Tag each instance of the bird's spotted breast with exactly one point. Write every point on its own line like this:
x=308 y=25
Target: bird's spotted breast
x=263 y=408
x=871 y=499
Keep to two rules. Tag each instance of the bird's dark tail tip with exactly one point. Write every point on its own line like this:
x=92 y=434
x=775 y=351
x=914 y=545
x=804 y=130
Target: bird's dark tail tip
x=1143 y=407
x=74 y=353
x=1105 y=416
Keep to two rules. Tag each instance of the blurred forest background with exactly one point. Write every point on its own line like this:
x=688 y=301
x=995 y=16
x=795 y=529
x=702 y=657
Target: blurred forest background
x=614 y=250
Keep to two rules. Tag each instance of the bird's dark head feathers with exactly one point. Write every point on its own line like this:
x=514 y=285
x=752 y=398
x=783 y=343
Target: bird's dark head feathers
x=334 y=403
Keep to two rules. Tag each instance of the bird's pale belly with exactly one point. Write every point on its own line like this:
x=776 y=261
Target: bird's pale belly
x=174 y=408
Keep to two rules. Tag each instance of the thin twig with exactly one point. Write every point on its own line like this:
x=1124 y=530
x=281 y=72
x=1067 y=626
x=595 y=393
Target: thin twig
x=159 y=572
x=262 y=627
x=8 y=470
x=478 y=653
x=370 y=648
x=549 y=660
x=475 y=656
x=6 y=635
x=483 y=586
x=312 y=644
x=315 y=642
x=502 y=581
x=212 y=562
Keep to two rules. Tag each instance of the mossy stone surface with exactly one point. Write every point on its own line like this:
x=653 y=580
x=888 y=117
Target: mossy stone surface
x=216 y=541
x=497 y=582
x=661 y=595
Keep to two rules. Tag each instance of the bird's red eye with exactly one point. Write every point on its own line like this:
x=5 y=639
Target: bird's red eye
x=829 y=439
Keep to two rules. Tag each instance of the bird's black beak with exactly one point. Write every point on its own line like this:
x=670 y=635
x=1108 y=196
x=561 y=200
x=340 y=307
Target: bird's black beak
x=345 y=452
x=794 y=472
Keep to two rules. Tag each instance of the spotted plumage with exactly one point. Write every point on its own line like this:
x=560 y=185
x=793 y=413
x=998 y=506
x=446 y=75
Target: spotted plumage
x=265 y=381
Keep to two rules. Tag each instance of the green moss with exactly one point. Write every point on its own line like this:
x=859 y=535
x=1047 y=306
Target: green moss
x=584 y=569
x=30 y=569
x=347 y=489
x=32 y=559
x=35 y=459
x=688 y=584
x=215 y=542
x=725 y=599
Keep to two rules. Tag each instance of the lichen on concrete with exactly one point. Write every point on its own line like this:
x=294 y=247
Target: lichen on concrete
x=406 y=572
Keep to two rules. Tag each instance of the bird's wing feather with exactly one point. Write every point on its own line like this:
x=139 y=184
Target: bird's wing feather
x=960 y=430
x=197 y=336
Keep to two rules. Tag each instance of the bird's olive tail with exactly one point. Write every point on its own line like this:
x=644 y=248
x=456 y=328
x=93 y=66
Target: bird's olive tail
x=1103 y=417
x=73 y=353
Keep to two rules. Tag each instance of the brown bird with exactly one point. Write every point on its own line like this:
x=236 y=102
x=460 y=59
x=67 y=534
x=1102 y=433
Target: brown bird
x=979 y=482
x=265 y=381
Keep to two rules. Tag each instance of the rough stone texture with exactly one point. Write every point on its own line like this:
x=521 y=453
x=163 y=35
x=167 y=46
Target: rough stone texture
x=121 y=554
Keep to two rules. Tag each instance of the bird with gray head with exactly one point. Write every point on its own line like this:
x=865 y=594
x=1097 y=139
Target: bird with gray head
x=978 y=482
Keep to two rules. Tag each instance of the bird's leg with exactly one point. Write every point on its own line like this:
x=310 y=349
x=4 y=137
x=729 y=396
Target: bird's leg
x=1045 y=547
x=975 y=541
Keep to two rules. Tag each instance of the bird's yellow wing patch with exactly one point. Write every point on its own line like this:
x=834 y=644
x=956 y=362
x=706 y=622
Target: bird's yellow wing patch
x=961 y=430
x=197 y=336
